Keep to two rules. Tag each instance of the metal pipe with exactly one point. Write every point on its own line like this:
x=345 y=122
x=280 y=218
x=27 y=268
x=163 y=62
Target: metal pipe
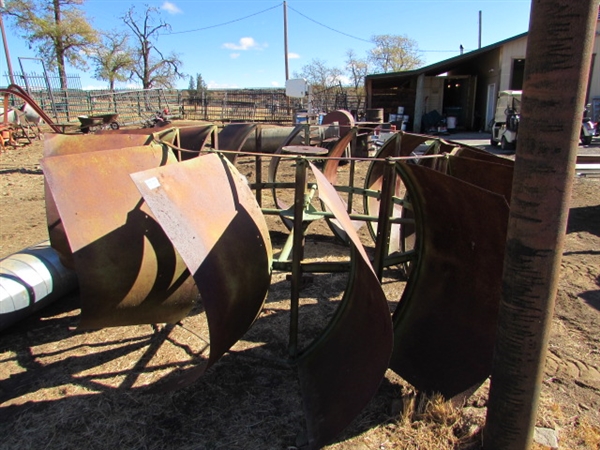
x=30 y=280
x=297 y=253
x=382 y=240
x=6 y=52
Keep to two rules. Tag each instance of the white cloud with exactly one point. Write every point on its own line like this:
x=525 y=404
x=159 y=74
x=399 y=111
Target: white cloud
x=293 y=56
x=171 y=8
x=215 y=85
x=245 y=43
x=275 y=83
x=234 y=55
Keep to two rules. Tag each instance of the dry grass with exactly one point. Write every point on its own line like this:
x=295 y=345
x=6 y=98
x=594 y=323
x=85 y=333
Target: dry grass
x=61 y=388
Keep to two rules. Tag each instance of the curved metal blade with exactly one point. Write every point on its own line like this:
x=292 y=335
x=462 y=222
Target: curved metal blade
x=330 y=172
x=61 y=144
x=343 y=368
x=374 y=181
x=213 y=219
x=194 y=139
x=493 y=176
x=272 y=173
x=445 y=323
x=233 y=136
x=128 y=271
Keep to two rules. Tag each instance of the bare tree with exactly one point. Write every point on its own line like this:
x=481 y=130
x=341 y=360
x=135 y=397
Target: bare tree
x=322 y=79
x=57 y=29
x=357 y=70
x=113 y=59
x=319 y=75
x=152 y=67
x=394 y=53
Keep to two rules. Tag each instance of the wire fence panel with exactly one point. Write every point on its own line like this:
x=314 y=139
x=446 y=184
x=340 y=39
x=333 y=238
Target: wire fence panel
x=33 y=82
x=212 y=105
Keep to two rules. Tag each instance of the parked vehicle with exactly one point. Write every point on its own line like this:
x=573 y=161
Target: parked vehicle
x=506 y=120
x=588 y=128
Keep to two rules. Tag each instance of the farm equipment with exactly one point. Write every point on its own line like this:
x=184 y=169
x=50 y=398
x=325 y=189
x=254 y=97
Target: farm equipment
x=163 y=231
x=98 y=122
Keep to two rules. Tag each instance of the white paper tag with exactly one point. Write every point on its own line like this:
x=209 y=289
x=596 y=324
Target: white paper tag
x=152 y=183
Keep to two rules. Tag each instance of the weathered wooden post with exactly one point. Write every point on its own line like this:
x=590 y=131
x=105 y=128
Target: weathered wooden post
x=556 y=71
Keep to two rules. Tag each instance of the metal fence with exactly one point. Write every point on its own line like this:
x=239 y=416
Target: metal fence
x=214 y=105
x=260 y=105
x=33 y=82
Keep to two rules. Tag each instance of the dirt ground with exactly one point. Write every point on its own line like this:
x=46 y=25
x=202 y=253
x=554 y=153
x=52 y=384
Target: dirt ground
x=65 y=388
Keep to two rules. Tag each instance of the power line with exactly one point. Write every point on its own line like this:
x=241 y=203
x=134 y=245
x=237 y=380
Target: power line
x=358 y=38
x=301 y=14
x=328 y=27
x=227 y=23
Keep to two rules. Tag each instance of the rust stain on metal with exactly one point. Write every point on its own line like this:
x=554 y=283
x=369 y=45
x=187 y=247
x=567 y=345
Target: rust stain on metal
x=60 y=144
x=128 y=271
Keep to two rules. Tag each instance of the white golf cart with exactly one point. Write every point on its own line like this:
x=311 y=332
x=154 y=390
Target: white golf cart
x=506 y=120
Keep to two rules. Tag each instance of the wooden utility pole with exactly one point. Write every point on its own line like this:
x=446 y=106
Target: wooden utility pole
x=559 y=48
x=285 y=41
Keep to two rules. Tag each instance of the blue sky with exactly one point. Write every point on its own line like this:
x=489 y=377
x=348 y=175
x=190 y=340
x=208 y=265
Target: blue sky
x=240 y=44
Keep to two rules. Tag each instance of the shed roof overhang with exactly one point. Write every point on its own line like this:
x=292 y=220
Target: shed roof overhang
x=442 y=66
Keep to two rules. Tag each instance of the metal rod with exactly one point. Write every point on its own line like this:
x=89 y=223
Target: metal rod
x=479 y=29
x=351 y=184
x=297 y=254
x=6 y=52
x=258 y=162
x=5 y=119
x=386 y=205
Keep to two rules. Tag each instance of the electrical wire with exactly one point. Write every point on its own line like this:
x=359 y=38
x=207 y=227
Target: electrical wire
x=301 y=14
x=358 y=38
x=225 y=23
x=328 y=27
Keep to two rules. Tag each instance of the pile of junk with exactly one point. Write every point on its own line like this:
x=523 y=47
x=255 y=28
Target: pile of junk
x=170 y=221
